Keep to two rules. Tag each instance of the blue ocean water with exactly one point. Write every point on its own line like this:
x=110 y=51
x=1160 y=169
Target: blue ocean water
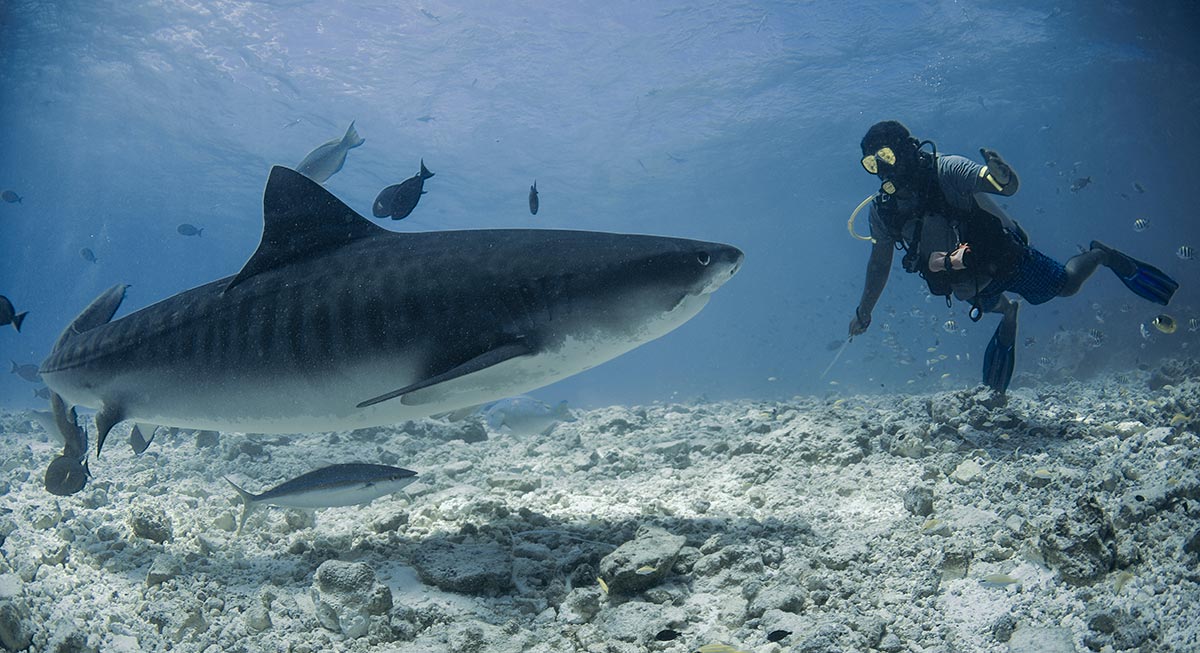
x=730 y=121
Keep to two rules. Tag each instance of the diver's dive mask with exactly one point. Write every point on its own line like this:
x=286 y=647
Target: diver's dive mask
x=884 y=159
x=871 y=162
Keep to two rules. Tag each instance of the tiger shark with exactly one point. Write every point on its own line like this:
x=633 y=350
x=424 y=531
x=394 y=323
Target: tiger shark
x=335 y=323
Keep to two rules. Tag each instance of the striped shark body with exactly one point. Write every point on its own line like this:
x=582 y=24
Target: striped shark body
x=335 y=323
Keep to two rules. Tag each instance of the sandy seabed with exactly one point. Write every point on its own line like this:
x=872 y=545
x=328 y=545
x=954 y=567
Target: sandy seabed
x=1066 y=518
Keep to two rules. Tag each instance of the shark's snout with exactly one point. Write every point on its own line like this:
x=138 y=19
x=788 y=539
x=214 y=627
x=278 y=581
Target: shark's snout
x=721 y=262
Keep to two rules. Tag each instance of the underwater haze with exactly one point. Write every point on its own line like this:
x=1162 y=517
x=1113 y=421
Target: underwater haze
x=735 y=122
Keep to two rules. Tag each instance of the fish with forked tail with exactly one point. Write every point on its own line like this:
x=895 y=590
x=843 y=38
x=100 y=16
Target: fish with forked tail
x=9 y=315
x=328 y=158
x=336 y=485
x=526 y=415
x=533 y=198
x=68 y=473
x=398 y=200
x=27 y=371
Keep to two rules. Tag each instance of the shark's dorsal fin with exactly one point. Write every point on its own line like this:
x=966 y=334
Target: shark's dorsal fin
x=301 y=219
x=101 y=310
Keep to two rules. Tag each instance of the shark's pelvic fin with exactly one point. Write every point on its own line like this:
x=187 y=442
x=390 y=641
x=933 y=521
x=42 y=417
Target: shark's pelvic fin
x=477 y=364
x=300 y=220
x=137 y=436
x=108 y=417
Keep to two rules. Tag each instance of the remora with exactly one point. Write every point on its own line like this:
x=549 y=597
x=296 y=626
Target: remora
x=335 y=323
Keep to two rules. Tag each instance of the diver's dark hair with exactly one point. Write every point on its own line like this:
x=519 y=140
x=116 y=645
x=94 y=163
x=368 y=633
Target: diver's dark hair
x=890 y=133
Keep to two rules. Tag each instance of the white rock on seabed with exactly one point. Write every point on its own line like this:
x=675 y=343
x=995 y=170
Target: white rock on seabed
x=1068 y=517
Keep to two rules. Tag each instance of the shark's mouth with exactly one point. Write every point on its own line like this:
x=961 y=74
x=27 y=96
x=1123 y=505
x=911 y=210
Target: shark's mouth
x=718 y=278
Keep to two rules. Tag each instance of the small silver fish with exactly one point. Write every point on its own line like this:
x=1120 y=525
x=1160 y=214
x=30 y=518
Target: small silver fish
x=1193 y=324
x=1185 y=252
x=1080 y=184
x=533 y=198
x=950 y=326
x=1141 y=224
x=88 y=255
x=336 y=485
x=186 y=229
x=1138 y=187
x=11 y=197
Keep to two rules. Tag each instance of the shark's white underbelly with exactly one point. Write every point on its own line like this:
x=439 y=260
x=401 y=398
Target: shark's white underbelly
x=228 y=401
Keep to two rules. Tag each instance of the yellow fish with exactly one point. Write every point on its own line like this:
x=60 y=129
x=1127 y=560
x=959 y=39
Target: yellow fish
x=719 y=648
x=645 y=571
x=999 y=580
x=603 y=585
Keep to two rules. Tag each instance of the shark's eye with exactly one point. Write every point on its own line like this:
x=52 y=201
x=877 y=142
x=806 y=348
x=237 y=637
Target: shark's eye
x=703 y=258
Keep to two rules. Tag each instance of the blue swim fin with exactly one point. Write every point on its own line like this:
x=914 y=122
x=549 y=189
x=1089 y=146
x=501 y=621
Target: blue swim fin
x=998 y=362
x=1142 y=278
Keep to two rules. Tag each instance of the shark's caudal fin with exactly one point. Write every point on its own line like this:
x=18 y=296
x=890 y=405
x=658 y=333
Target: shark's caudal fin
x=247 y=504
x=301 y=220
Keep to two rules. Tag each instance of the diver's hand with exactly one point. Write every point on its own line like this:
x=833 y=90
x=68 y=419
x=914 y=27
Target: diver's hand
x=860 y=323
x=1000 y=170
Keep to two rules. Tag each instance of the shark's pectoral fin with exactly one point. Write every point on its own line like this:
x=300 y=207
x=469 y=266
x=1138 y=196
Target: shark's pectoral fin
x=138 y=439
x=108 y=417
x=477 y=364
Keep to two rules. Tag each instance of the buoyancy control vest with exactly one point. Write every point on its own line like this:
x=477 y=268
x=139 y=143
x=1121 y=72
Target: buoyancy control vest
x=925 y=223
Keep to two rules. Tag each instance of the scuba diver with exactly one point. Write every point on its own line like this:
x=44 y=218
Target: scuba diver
x=938 y=210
